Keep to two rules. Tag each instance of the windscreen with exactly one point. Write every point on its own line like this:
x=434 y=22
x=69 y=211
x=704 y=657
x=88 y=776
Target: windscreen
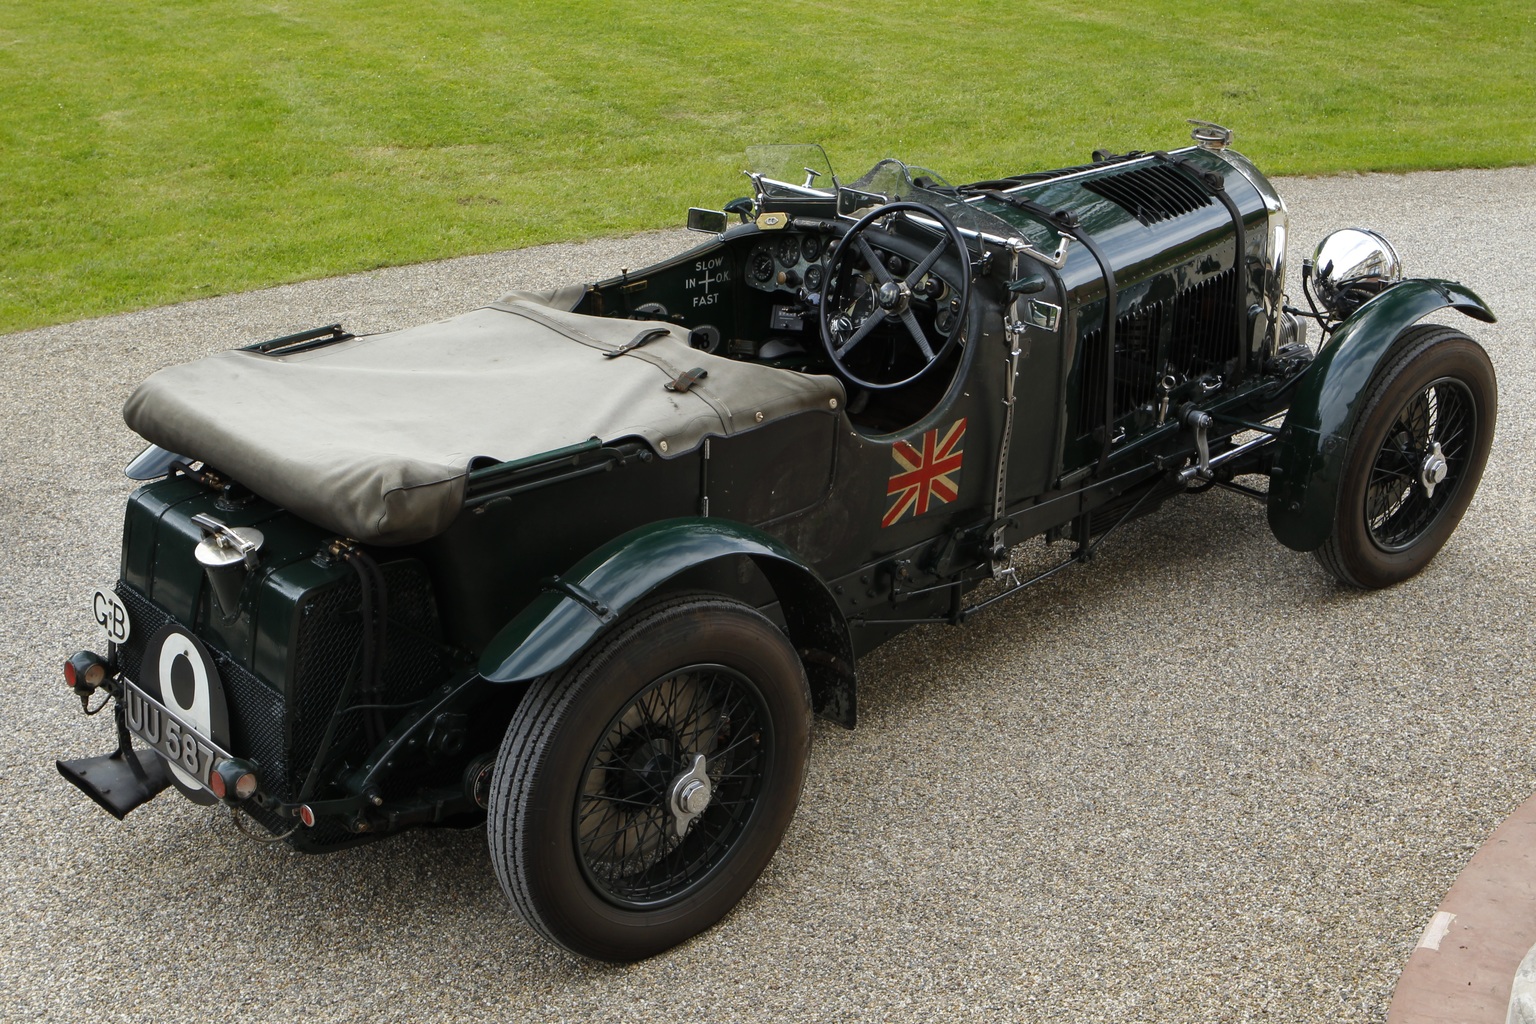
x=891 y=180
x=791 y=170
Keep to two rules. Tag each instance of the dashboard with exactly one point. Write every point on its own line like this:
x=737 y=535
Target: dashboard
x=789 y=262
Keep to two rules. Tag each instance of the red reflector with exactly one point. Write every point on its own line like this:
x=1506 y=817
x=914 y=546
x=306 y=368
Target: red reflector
x=216 y=783
x=307 y=816
x=69 y=673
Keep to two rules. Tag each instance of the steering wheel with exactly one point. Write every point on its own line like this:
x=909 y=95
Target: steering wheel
x=864 y=293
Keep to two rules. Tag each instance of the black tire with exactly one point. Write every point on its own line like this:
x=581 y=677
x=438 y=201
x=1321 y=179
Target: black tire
x=582 y=825
x=1436 y=387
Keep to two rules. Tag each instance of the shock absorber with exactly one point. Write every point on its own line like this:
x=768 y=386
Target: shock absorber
x=1200 y=422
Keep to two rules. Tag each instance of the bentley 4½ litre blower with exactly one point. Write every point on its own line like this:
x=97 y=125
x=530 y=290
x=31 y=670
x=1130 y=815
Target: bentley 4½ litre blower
x=582 y=565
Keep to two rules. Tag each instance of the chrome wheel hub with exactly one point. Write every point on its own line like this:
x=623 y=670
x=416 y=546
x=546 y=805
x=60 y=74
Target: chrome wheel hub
x=689 y=794
x=1434 y=470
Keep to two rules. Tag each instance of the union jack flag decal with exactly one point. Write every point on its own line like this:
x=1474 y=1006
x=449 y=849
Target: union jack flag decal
x=928 y=477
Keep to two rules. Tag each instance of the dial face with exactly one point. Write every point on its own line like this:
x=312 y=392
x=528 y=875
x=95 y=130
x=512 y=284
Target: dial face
x=762 y=265
x=810 y=248
x=813 y=277
x=944 y=317
x=788 y=249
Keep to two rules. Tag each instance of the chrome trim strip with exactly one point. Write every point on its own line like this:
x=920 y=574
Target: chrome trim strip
x=1055 y=262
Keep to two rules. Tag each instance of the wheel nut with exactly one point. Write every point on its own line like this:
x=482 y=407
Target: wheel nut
x=694 y=797
x=690 y=794
x=1434 y=470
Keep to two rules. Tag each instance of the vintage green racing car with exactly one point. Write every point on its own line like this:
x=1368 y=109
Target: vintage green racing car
x=582 y=565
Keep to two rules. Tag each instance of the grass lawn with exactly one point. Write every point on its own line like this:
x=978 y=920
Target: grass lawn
x=158 y=151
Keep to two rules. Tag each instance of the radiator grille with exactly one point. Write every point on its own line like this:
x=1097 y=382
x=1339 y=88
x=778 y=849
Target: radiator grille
x=328 y=649
x=1150 y=194
x=1136 y=340
x=1191 y=335
x=1203 y=336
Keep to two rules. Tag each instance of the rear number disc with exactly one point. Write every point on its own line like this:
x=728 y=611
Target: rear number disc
x=180 y=673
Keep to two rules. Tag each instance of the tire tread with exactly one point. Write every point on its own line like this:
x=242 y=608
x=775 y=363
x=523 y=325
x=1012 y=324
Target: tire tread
x=523 y=747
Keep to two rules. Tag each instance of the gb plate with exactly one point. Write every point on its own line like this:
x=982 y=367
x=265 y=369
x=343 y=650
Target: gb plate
x=111 y=615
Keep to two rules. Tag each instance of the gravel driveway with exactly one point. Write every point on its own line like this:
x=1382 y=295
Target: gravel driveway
x=1195 y=781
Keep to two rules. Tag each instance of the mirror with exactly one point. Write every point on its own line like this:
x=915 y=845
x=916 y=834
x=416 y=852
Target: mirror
x=710 y=221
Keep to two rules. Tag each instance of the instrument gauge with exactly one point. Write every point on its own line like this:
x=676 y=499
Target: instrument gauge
x=810 y=248
x=762 y=265
x=929 y=287
x=946 y=316
x=813 y=277
x=788 y=250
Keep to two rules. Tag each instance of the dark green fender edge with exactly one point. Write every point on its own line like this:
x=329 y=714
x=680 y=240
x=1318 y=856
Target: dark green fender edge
x=558 y=624
x=1304 y=483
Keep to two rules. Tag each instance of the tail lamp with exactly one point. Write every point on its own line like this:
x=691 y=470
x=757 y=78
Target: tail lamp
x=85 y=670
x=233 y=779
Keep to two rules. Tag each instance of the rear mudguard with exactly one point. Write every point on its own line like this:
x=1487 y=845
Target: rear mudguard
x=1304 y=483
x=574 y=607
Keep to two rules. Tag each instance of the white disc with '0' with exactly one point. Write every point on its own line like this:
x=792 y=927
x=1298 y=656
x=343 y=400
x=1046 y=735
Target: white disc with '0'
x=180 y=673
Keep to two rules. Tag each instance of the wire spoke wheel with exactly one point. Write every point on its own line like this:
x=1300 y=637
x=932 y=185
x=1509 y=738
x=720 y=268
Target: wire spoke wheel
x=1400 y=504
x=635 y=847
x=1416 y=452
x=640 y=792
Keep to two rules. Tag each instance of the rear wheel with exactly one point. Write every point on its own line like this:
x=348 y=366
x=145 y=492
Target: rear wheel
x=639 y=794
x=1415 y=458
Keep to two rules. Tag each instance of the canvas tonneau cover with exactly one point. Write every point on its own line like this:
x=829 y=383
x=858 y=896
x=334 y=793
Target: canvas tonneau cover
x=374 y=437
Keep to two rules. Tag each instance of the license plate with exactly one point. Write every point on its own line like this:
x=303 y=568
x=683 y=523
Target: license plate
x=169 y=735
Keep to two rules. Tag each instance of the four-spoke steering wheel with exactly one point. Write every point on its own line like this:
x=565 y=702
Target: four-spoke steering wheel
x=864 y=293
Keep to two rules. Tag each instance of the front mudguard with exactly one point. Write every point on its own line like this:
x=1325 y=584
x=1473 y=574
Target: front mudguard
x=1304 y=483
x=577 y=605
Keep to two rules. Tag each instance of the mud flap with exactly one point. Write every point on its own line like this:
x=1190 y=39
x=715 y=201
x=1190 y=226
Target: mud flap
x=119 y=781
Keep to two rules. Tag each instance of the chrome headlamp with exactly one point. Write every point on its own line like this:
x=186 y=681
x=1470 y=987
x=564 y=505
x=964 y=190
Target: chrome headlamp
x=1353 y=265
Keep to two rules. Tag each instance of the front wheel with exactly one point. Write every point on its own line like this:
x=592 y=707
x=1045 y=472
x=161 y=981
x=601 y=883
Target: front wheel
x=1415 y=457
x=639 y=794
